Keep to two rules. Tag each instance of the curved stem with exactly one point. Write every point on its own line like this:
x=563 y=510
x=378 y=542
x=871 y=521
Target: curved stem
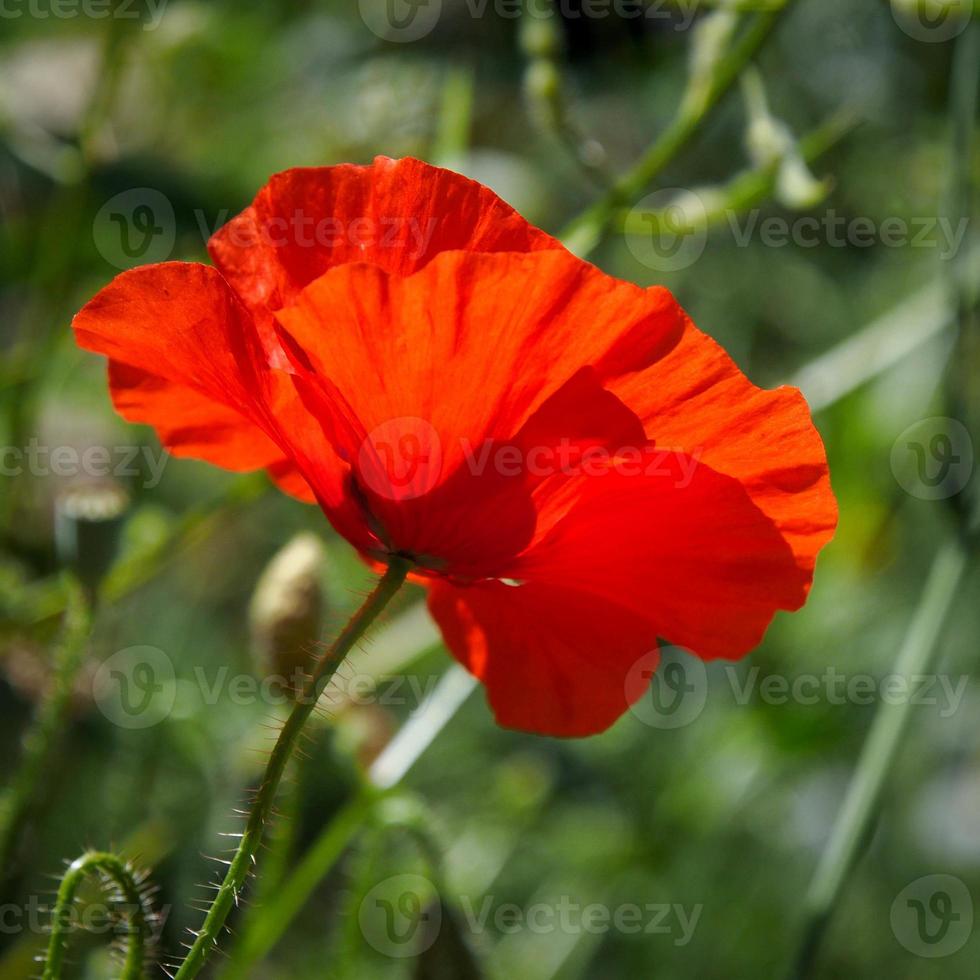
x=120 y=874
x=244 y=858
x=584 y=232
x=402 y=752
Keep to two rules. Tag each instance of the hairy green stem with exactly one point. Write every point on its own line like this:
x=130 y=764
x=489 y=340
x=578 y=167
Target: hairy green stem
x=268 y=925
x=41 y=739
x=585 y=232
x=245 y=855
x=116 y=872
x=855 y=820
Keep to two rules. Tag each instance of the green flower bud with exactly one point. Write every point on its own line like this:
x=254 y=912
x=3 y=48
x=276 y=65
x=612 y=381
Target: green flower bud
x=89 y=518
x=286 y=611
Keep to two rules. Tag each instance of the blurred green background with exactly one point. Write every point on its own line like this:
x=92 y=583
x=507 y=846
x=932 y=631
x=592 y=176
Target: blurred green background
x=707 y=815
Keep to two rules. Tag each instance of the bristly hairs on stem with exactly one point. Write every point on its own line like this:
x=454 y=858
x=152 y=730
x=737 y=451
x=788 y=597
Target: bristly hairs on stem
x=126 y=889
x=240 y=867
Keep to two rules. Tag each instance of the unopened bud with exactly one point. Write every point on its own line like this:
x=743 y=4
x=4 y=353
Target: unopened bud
x=796 y=187
x=542 y=82
x=767 y=140
x=539 y=34
x=89 y=518
x=286 y=611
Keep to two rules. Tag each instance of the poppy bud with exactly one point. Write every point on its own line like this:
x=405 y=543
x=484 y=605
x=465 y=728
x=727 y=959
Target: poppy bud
x=542 y=82
x=768 y=141
x=286 y=611
x=539 y=36
x=87 y=527
x=796 y=187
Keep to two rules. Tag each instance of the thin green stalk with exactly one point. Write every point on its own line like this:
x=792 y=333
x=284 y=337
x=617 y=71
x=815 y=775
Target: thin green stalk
x=545 y=90
x=387 y=771
x=452 y=136
x=855 y=820
x=752 y=187
x=245 y=855
x=41 y=740
x=118 y=873
x=584 y=233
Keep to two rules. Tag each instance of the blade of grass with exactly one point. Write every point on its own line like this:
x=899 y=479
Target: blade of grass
x=862 y=801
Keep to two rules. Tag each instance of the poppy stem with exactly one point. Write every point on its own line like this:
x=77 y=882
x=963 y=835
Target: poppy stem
x=118 y=875
x=585 y=232
x=206 y=940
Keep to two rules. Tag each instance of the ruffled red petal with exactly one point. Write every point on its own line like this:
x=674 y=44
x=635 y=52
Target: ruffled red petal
x=422 y=381
x=395 y=214
x=184 y=357
x=667 y=548
x=695 y=399
x=554 y=661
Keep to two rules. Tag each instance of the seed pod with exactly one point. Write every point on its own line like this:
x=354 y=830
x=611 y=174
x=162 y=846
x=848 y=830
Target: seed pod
x=286 y=611
x=89 y=518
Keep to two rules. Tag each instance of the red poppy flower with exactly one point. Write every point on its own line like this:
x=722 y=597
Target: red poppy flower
x=573 y=466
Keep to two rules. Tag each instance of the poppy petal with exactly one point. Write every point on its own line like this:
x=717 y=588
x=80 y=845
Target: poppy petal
x=696 y=400
x=396 y=214
x=182 y=351
x=380 y=359
x=669 y=537
x=676 y=551
x=554 y=661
